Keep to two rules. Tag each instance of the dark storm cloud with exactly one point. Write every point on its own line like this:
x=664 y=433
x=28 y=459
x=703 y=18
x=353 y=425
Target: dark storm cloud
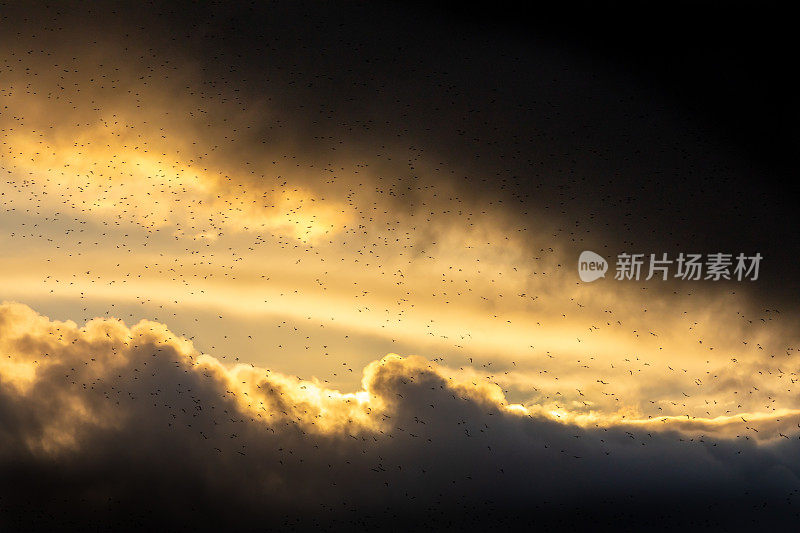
x=634 y=139
x=623 y=141
x=132 y=428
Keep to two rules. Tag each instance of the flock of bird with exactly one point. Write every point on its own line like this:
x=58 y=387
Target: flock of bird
x=280 y=216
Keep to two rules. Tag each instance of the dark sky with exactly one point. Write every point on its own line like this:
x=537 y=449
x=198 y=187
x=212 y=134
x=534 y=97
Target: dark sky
x=713 y=105
x=730 y=66
x=669 y=129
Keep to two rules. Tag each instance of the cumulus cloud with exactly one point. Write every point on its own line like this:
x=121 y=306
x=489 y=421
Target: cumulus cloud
x=119 y=426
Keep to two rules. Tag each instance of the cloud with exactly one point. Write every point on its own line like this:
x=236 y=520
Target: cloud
x=130 y=426
x=352 y=188
x=98 y=142
x=121 y=143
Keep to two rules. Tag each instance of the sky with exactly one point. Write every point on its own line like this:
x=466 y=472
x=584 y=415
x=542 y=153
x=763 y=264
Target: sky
x=307 y=265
